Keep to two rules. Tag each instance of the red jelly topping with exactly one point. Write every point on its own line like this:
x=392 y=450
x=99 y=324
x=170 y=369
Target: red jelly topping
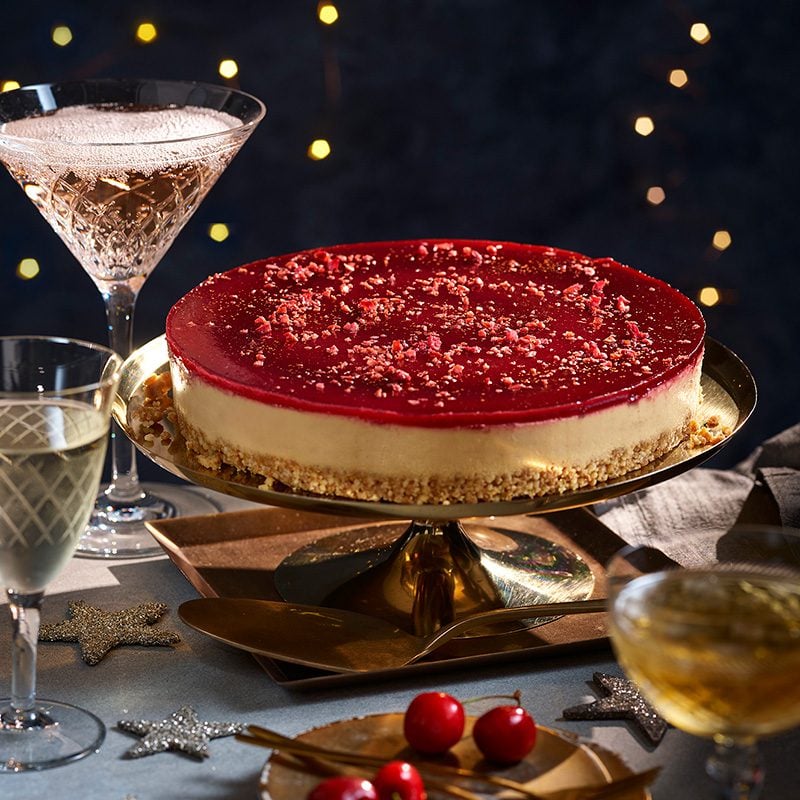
x=436 y=332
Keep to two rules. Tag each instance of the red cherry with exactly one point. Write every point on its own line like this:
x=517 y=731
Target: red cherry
x=399 y=780
x=434 y=722
x=505 y=735
x=344 y=787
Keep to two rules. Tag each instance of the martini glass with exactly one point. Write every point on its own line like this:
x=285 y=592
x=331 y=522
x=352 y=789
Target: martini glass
x=117 y=167
x=716 y=647
x=55 y=410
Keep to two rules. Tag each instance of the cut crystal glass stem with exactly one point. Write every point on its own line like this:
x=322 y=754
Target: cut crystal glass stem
x=123 y=506
x=124 y=488
x=25 y=613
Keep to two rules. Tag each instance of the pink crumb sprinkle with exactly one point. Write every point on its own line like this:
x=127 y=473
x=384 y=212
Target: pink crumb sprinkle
x=634 y=330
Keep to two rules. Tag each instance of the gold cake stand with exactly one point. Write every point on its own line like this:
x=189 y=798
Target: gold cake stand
x=452 y=559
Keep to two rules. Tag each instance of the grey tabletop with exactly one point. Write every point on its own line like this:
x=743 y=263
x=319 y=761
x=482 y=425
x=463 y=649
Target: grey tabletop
x=224 y=684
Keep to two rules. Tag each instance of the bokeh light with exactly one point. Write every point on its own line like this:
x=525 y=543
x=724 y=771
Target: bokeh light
x=7 y=86
x=27 y=268
x=228 y=68
x=709 y=296
x=644 y=126
x=218 y=231
x=327 y=13
x=722 y=240
x=656 y=195
x=61 y=35
x=146 y=32
x=319 y=149
x=678 y=78
x=700 y=32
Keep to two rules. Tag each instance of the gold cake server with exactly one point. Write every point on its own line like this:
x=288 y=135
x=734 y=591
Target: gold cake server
x=338 y=640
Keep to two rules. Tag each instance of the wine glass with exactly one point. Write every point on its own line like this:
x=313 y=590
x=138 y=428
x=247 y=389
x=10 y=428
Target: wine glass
x=117 y=167
x=716 y=647
x=55 y=410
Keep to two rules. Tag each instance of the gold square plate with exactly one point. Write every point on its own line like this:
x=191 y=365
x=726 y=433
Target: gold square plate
x=236 y=554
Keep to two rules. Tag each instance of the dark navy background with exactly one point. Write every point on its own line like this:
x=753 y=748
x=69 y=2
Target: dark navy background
x=501 y=119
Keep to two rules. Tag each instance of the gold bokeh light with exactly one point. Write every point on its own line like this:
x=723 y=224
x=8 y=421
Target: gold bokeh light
x=678 y=78
x=319 y=149
x=61 y=35
x=7 y=86
x=709 y=296
x=722 y=240
x=644 y=126
x=146 y=32
x=218 y=231
x=228 y=68
x=700 y=32
x=27 y=268
x=327 y=13
x=656 y=195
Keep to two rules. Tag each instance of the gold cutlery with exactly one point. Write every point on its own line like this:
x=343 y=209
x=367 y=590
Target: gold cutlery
x=436 y=775
x=338 y=640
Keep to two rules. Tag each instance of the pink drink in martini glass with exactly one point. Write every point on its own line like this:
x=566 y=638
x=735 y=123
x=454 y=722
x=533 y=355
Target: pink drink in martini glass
x=117 y=168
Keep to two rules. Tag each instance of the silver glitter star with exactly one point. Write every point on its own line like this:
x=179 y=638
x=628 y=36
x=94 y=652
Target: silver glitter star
x=180 y=731
x=622 y=701
x=99 y=631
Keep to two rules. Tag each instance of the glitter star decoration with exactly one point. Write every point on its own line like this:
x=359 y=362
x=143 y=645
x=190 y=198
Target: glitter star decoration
x=621 y=700
x=99 y=631
x=181 y=731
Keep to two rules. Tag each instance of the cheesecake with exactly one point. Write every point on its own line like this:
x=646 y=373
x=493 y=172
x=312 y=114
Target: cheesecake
x=434 y=371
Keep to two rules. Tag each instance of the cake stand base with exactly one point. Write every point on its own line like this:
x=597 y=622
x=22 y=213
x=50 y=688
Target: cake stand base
x=431 y=572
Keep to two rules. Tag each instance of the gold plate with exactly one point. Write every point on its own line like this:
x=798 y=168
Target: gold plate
x=729 y=393
x=558 y=761
x=237 y=555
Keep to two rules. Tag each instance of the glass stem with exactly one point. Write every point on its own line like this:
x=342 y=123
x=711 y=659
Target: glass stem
x=25 y=612
x=124 y=488
x=736 y=766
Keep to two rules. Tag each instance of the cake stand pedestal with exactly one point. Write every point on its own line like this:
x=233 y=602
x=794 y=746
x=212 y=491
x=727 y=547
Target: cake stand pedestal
x=423 y=575
x=441 y=566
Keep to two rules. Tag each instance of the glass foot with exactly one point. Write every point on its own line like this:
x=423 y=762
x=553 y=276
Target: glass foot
x=55 y=734
x=120 y=532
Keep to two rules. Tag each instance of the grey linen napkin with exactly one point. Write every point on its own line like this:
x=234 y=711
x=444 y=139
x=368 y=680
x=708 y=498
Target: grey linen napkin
x=684 y=517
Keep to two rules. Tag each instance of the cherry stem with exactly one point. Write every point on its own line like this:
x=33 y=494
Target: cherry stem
x=516 y=697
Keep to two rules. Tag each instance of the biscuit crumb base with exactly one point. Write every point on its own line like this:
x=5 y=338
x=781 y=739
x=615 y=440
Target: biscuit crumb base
x=414 y=488
x=707 y=433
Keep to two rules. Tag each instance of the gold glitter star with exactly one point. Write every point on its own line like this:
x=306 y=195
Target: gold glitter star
x=99 y=631
x=622 y=701
x=182 y=731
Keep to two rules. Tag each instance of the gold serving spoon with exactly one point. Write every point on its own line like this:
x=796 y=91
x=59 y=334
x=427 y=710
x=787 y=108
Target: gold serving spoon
x=338 y=640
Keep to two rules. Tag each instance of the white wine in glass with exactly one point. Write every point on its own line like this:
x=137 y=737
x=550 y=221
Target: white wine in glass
x=55 y=408
x=716 y=648
x=117 y=168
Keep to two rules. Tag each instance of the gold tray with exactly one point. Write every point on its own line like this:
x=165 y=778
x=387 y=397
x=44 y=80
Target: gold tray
x=729 y=393
x=236 y=554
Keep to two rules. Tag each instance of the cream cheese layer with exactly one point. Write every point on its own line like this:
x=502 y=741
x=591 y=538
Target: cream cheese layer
x=351 y=445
